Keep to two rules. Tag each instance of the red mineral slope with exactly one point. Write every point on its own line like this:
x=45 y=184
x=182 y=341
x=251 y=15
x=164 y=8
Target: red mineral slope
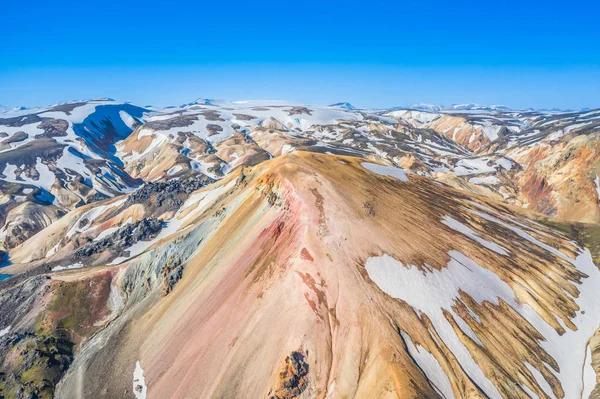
x=311 y=276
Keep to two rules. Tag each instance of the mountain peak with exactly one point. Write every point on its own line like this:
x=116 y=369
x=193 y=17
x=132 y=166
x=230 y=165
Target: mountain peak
x=477 y=107
x=424 y=107
x=343 y=105
x=202 y=101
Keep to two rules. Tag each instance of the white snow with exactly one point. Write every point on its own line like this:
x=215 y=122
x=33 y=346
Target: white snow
x=31 y=129
x=505 y=194
x=45 y=180
x=490 y=129
x=438 y=149
x=505 y=163
x=589 y=375
x=461 y=228
x=71 y=161
x=529 y=392
x=174 y=170
x=430 y=366
x=287 y=148
x=386 y=170
x=521 y=233
x=377 y=151
x=128 y=119
x=576 y=126
x=55 y=115
x=52 y=250
x=260 y=112
x=540 y=379
x=90 y=215
x=475 y=166
x=140 y=390
x=204 y=167
x=597 y=184
x=415 y=118
x=569 y=350
x=77 y=265
x=486 y=181
x=433 y=290
x=506 y=218
x=79 y=114
x=4 y=331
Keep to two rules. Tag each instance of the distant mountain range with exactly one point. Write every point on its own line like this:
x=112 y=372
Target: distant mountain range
x=349 y=107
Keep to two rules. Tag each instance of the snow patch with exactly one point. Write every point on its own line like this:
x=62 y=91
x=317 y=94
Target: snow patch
x=128 y=120
x=475 y=166
x=386 y=170
x=77 y=265
x=45 y=180
x=589 y=375
x=4 y=331
x=540 y=380
x=433 y=290
x=430 y=366
x=461 y=228
x=485 y=181
x=287 y=148
x=174 y=170
x=140 y=390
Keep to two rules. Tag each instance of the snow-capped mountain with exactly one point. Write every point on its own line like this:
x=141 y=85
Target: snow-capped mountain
x=477 y=107
x=419 y=251
x=452 y=107
x=75 y=153
x=420 y=107
x=343 y=105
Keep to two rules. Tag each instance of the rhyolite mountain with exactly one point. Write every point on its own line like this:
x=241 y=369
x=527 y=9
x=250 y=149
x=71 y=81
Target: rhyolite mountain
x=266 y=249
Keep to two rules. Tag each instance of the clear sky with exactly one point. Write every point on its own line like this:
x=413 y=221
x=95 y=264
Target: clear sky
x=370 y=53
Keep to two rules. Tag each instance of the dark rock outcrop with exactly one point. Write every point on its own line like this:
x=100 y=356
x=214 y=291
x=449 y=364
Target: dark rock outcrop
x=166 y=196
x=293 y=377
x=120 y=240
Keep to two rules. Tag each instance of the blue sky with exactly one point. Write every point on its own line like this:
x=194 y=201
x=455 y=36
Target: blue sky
x=376 y=53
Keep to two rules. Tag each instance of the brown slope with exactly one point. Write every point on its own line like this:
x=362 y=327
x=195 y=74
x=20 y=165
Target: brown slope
x=461 y=130
x=558 y=179
x=278 y=292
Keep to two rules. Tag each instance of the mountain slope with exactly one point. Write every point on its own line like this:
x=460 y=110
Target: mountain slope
x=61 y=157
x=332 y=277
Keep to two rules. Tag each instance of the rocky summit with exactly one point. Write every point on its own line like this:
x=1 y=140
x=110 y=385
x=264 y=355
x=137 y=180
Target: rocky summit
x=267 y=249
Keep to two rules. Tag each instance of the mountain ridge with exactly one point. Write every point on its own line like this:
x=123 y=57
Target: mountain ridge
x=158 y=252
